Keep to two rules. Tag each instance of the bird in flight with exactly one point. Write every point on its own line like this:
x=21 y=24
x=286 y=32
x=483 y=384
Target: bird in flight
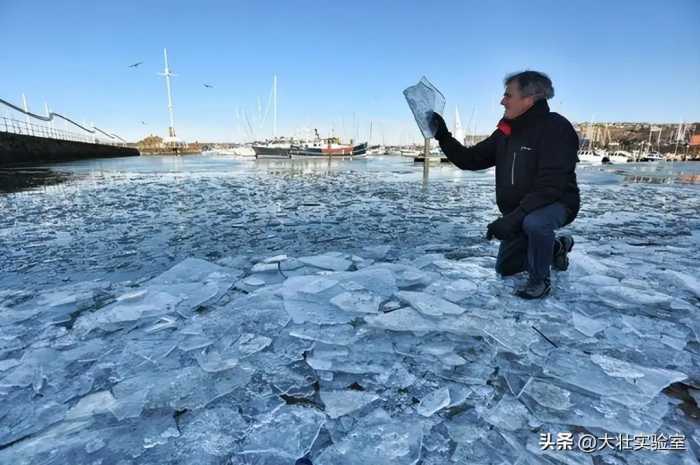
x=143 y=122
x=208 y=86
x=135 y=64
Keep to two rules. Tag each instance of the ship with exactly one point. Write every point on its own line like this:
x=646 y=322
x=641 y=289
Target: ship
x=330 y=147
x=275 y=148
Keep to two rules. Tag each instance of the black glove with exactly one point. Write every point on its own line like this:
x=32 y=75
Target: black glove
x=506 y=227
x=438 y=126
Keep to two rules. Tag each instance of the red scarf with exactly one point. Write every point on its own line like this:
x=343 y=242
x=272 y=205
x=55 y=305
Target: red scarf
x=504 y=127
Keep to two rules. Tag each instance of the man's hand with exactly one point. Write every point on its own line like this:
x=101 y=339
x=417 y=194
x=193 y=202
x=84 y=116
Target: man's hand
x=506 y=227
x=438 y=126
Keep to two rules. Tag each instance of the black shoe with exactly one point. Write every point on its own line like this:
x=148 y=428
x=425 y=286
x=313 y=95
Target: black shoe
x=560 y=261
x=534 y=289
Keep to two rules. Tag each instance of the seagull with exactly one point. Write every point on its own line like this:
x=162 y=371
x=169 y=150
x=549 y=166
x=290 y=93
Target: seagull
x=209 y=86
x=135 y=64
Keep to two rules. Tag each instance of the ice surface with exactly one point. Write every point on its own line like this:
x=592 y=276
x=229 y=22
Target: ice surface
x=350 y=315
x=339 y=403
x=288 y=432
x=434 y=402
x=329 y=261
x=377 y=438
x=627 y=383
x=509 y=415
x=429 y=304
x=588 y=326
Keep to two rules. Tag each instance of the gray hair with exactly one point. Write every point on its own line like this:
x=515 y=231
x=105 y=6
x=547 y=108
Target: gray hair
x=532 y=84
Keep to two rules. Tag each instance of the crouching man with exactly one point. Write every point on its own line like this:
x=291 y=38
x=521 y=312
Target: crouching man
x=534 y=152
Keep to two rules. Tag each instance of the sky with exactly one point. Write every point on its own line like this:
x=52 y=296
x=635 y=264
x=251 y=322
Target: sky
x=342 y=66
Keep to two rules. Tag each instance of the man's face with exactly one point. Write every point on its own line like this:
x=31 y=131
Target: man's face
x=513 y=101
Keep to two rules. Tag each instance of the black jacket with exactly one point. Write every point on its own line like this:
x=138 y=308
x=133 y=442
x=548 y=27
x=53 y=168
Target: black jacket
x=535 y=165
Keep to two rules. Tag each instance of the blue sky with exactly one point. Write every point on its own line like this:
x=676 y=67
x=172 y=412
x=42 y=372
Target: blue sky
x=341 y=65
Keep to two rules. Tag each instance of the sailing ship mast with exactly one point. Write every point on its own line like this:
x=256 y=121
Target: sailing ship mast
x=274 y=106
x=458 y=130
x=167 y=74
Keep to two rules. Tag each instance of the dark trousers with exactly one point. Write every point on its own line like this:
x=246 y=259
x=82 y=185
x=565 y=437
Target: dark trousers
x=533 y=249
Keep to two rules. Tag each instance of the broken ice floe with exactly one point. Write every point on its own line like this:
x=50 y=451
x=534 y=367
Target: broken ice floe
x=390 y=362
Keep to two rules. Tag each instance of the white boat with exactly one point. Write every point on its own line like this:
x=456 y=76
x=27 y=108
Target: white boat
x=593 y=157
x=651 y=156
x=620 y=156
x=601 y=156
x=410 y=153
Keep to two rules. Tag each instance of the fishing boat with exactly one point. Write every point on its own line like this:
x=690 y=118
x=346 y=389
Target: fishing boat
x=328 y=148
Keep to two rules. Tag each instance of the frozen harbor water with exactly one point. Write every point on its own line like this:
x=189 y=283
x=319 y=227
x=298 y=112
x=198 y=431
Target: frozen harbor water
x=211 y=311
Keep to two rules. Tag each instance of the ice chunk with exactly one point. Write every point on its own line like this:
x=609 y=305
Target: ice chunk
x=548 y=395
x=210 y=432
x=429 y=304
x=331 y=334
x=195 y=270
x=339 y=403
x=423 y=99
x=691 y=283
x=594 y=281
x=377 y=252
x=588 y=326
x=624 y=382
x=254 y=281
x=288 y=432
x=509 y=414
x=184 y=388
x=433 y=402
x=72 y=298
x=397 y=376
x=357 y=301
x=514 y=337
x=377 y=438
x=341 y=359
x=129 y=308
x=251 y=343
x=628 y=297
x=403 y=319
x=8 y=363
x=329 y=261
x=275 y=259
x=453 y=290
x=302 y=311
x=92 y=404
x=376 y=279
x=555 y=404
x=309 y=285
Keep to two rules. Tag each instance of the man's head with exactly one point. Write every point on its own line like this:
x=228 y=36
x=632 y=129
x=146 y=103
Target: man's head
x=523 y=90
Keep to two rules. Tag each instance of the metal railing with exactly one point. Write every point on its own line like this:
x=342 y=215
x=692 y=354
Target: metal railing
x=29 y=128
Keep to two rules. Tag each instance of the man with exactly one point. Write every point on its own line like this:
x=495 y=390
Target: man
x=534 y=152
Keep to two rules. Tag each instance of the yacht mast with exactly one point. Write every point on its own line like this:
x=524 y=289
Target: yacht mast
x=274 y=106
x=167 y=74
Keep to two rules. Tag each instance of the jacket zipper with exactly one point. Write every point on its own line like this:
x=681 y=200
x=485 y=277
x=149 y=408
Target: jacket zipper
x=512 y=170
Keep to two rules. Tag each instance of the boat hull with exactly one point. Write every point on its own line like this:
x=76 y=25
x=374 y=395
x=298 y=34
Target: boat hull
x=347 y=152
x=262 y=151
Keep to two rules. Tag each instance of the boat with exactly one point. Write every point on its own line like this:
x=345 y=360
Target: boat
x=274 y=149
x=651 y=156
x=601 y=156
x=410 y=153
x=376 y=150
x=328 y=148
x=620 y=156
